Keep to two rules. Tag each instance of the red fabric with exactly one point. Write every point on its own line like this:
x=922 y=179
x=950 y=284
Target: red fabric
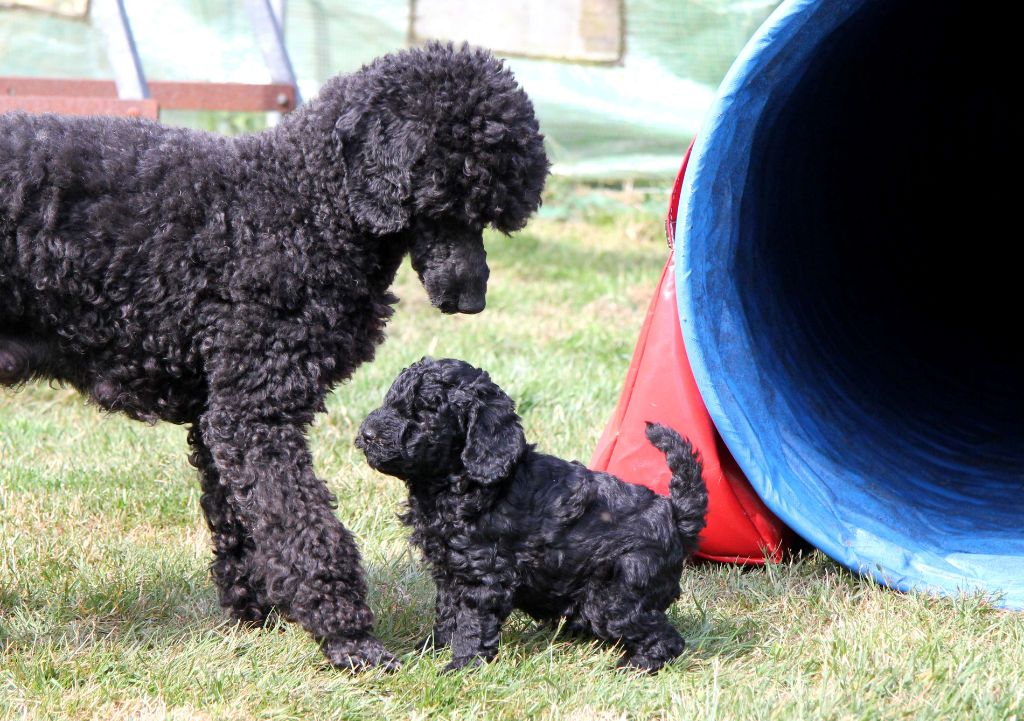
x=673 y=201
x=660 y=387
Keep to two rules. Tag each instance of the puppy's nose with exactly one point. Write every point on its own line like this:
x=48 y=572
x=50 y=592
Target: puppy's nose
x=366 y=435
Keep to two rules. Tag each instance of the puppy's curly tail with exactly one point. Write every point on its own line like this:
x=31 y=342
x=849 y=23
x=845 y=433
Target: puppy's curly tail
x=687 y=491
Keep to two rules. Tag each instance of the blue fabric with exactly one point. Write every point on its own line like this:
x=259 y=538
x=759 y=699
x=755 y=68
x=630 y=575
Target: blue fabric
x=842 y=308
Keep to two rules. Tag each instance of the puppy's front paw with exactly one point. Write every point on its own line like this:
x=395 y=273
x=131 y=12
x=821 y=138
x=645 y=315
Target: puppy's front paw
x=254 y=616
x=359 y=653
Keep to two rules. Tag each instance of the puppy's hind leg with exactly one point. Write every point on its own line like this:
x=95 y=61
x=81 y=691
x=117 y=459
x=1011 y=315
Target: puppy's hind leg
x=23 y=358
x=630 y=611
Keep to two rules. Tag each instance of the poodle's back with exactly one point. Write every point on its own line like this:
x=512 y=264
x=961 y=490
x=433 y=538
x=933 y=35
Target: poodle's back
x=91 y=210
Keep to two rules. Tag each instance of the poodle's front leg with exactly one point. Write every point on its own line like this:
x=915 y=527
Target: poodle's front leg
x=308 y=560
x=239 y=584
x=480 y=612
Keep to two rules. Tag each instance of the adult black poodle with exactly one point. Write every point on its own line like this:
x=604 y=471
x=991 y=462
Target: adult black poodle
x=230 y=283
x=505 y=527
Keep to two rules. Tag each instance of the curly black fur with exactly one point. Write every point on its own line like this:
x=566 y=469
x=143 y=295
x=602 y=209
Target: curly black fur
x=229 y=283
x=505 y=527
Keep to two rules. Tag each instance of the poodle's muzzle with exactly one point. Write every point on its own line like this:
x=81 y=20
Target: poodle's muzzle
x=453 y=270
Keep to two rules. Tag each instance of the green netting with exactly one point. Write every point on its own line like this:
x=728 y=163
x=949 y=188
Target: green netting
x=632 y=119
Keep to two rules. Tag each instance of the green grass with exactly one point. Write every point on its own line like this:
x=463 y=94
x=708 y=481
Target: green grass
x=107 y=611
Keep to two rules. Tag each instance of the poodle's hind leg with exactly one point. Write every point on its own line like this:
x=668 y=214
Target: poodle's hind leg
x=23 y=358
x=240 y=588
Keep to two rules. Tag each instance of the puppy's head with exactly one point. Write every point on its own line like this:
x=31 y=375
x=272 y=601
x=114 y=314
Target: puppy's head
x=443 y=418
x=438 y=143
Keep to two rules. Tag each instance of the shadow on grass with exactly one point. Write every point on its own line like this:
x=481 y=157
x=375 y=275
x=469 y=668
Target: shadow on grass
x=405 y=616
x=157 y=610
x=723 y=638
x=170 y=609
x=163 y=609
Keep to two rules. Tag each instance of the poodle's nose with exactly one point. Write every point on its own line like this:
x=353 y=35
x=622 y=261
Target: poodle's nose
x=9 y=364
x=471 y=304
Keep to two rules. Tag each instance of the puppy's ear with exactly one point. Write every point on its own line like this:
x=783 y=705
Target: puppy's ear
x=494 y=439
x=379 y=151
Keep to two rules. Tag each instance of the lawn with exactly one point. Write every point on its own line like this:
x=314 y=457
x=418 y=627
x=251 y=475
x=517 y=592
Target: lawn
x=107 y=610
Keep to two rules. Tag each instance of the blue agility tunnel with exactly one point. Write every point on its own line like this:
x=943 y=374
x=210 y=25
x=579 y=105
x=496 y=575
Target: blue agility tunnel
x=847 y=293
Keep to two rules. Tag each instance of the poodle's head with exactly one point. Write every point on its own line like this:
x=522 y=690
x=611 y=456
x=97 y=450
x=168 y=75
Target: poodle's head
x=438 y=143
x=443 y=418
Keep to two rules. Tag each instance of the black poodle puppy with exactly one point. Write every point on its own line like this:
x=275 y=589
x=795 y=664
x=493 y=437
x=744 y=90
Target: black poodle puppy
x=230 y=283
x=503 y=526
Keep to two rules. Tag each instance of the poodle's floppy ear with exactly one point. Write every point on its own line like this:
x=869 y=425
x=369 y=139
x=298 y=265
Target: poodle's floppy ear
x=379 y=151
x=494 y=439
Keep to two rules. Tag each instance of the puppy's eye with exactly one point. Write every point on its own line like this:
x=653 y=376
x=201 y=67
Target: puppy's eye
x=430 y=411
x=424 y=414
x=427 y=404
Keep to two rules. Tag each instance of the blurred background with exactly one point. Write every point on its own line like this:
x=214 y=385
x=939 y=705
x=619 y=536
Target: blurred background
x=620 y=86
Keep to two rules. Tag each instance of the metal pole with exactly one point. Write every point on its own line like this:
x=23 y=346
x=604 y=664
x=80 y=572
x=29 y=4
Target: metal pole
x=278 y=6
x=268 y=22
x=124 y=59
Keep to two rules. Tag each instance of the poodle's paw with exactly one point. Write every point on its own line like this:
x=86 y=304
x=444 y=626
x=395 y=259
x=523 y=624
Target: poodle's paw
x=255 y=617
x=466 y=663
x=359 y=653
x=573 y=629
x=243 y=603
x=21 y=359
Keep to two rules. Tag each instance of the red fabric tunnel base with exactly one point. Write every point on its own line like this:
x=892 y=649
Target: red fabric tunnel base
x=660 y=387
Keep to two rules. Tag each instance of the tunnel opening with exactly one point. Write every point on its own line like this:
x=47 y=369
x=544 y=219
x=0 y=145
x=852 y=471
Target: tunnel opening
x=857 y=326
